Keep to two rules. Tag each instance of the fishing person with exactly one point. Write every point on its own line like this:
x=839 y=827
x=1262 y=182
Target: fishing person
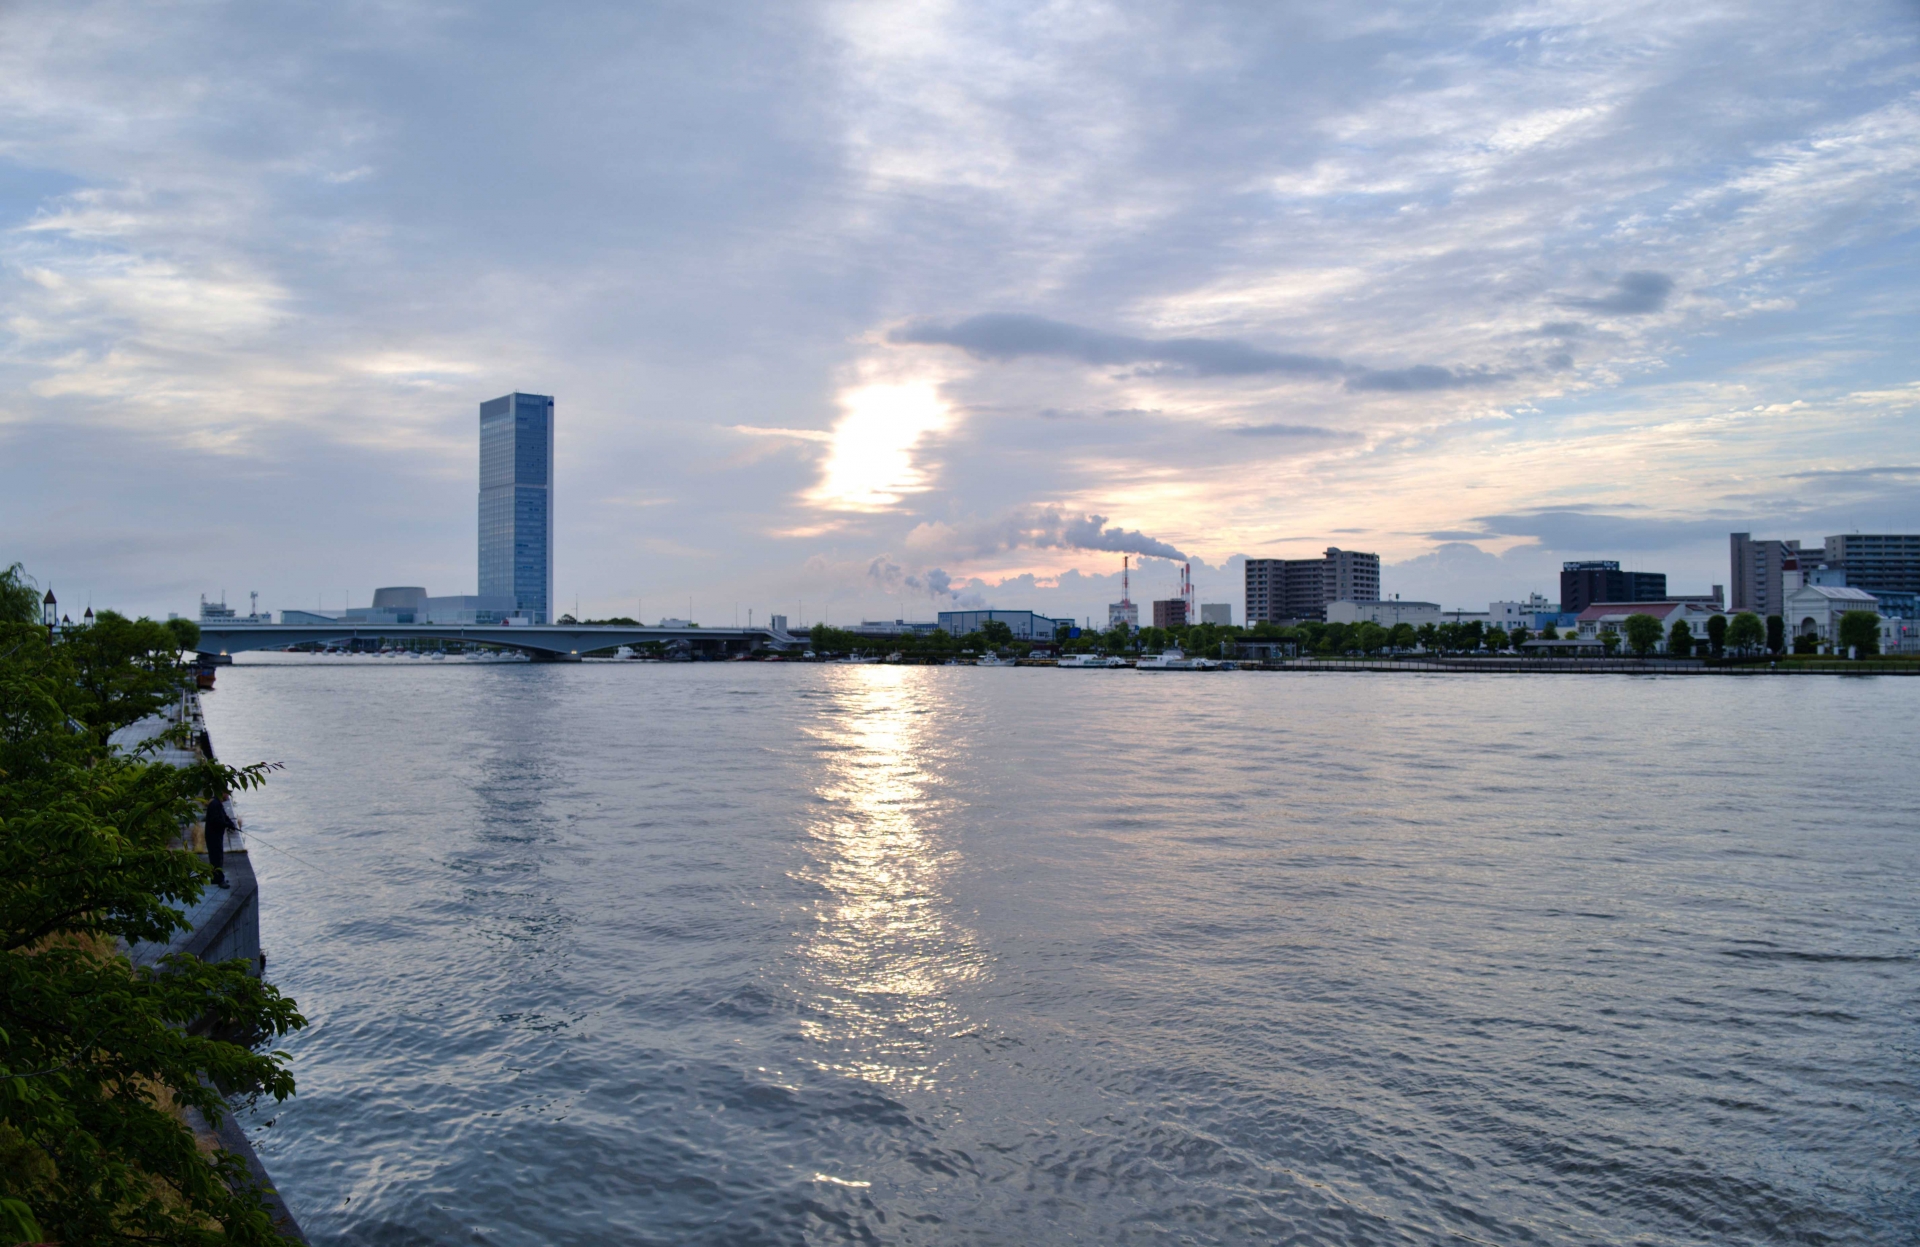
x=219 y=823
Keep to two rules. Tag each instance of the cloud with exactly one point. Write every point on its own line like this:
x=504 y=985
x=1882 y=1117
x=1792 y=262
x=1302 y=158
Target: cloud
x=1853 y=473
x=1460 y=575
x=1004 y=336
x=1634 y=294
x=1291 y=430
x=1035 y=528
x=718 y=214
x=1578 y=529
x=891 y=578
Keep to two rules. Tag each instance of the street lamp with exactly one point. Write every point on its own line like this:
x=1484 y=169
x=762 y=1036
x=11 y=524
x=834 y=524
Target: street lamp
x=50 y=610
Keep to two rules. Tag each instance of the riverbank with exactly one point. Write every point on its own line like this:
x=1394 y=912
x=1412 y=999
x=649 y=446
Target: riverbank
x=223 y=925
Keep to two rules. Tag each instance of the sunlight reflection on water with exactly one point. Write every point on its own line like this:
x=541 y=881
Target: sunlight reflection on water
x=884 y=950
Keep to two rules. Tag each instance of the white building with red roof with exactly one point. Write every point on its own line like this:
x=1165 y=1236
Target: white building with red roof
x=1612 y=616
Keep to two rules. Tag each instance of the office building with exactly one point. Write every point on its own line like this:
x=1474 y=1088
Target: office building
x=516 y=503
x=1279 y=590
x=1877 y=561
x=1755 y=583
x=1172 y=613
x=1217 y=613
x=1123 y=612
x=1601 y=580
x=1886 y=565
x=1026 y=625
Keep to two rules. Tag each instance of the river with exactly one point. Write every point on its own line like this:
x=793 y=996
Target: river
x=743 y=953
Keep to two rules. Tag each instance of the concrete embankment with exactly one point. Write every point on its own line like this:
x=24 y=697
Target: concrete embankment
x=1596 y=666
x=222 y=926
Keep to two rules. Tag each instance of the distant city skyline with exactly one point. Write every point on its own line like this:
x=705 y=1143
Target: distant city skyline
x=887 y=311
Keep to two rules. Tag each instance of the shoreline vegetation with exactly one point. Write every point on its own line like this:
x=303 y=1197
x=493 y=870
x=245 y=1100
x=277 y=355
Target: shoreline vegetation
x=1746 y=643
x=105 y=1066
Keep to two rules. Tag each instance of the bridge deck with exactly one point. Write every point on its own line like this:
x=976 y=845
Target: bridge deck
x=562 y=639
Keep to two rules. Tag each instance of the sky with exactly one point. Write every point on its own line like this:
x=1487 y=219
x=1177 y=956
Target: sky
x=868 y=310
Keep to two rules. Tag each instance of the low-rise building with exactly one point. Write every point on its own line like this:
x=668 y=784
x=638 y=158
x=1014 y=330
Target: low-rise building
x=1535 y=613
x=894 y=627
x=1026 y=625
x=1612 y=617
x=1814 y=610
x=1385 y=613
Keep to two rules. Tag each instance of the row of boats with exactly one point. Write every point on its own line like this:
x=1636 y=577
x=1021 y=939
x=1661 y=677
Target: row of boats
x=1166 y=660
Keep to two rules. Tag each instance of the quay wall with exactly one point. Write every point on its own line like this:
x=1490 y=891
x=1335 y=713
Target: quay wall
x=224 y=925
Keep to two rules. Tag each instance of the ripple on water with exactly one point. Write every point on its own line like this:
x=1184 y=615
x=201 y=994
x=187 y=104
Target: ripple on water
x=703 y=954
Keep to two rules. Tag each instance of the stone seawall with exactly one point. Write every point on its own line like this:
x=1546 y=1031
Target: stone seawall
x=224 y=925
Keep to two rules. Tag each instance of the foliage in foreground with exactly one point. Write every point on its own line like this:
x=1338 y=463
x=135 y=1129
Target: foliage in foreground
x=95 y=1058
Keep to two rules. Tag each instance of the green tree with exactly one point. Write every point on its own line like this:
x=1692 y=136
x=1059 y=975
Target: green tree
x=1806 y=643
x=1680 y=640
x=1402 y=638
x=19 y=597
x=1717 y=634
x=1549 y=633
x=1429 y=635
x=186 y=633
x=824 y=640
x=1519 y=637
x=126 y=668
x=94 y=1054
x=1643 y=633
x=1609 y=640
x=998 y=632
x=1745 y=633
x=1776 y=634
x=1497 y=639
x=1370 y=638
x=1860 y=631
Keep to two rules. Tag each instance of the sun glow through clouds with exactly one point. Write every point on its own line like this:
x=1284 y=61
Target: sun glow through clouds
x=870 y=466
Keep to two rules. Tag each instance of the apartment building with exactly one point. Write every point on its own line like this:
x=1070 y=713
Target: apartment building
x=1290 y=589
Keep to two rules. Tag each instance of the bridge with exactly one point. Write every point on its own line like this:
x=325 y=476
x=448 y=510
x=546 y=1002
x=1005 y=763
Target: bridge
x=554 y=642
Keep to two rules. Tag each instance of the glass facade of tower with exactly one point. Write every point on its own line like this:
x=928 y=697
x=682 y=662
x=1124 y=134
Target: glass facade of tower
x=516 y=502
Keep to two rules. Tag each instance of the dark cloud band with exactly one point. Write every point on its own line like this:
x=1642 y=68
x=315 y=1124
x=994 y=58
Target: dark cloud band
x=1005 y=336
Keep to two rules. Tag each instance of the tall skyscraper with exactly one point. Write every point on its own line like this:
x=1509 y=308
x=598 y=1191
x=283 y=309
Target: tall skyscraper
x=516 y=502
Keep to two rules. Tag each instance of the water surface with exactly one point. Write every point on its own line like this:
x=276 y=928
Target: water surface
x=738 y=954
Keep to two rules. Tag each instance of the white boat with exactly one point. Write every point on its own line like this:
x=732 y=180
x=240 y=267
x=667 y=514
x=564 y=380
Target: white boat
x=994 y=660
x=1087 y=660
x=1165 y=660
